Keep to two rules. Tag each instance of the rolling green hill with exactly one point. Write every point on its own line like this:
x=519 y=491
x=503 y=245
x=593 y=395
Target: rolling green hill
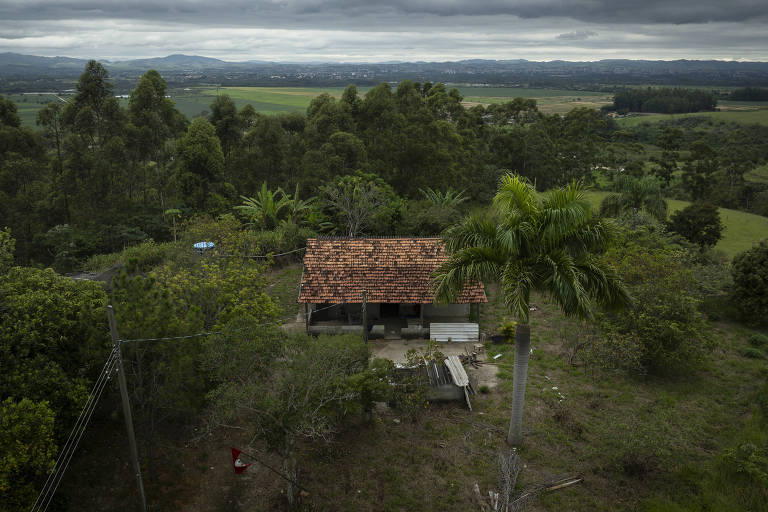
x=742 y=230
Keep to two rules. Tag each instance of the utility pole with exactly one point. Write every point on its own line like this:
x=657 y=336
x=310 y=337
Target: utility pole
x=364 y=308
x=126 y=405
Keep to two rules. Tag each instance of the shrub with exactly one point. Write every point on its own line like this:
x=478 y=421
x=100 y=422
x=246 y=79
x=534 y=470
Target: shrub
x=758 y=340
x=750 y=283
x=665 y=320
x=699 y=223
x=509 y=329
x=752 y=353
x=147 y=255
x=749 y=462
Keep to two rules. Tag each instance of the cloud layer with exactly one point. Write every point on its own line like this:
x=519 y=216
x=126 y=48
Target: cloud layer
x=346 y=30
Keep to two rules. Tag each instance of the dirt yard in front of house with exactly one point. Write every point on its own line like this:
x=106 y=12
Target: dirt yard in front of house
x=395 y=350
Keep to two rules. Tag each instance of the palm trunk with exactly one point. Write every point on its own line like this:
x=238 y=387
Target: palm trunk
x=522 y=354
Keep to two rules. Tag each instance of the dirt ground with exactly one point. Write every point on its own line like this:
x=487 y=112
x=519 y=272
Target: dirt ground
x=395 y=350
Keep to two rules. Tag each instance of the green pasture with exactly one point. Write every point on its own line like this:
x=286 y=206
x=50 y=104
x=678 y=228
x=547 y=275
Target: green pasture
x=758 y=174
x=28 y=105
x=755 y=112
x=742 y=230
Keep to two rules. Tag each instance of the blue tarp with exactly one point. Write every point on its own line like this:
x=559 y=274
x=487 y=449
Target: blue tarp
x=203 y=246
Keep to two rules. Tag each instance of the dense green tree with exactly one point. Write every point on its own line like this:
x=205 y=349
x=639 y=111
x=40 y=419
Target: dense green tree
x=200 y=166
x=7 y=246
x=635 y=194
x=153 y=115
x=750 y=284
x=53 y=343
x=699 y=223
x=699 y=171
x=664 y=322
x=24 y=181
x=669 y=142
x=27 y=449
x=9 y=115
x=224 y=117
x=528 y=243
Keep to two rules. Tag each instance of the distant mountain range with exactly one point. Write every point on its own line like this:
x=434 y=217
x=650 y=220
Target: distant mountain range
x=180 y=68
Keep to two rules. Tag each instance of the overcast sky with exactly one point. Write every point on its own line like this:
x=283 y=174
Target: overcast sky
x=352 y=31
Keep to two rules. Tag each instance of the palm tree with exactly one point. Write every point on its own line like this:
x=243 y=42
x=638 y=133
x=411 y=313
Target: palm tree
x=528 y=242
x=636 y=194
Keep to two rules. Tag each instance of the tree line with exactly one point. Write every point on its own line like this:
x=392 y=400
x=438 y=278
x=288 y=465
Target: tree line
x=96 y=177
x=664 y=100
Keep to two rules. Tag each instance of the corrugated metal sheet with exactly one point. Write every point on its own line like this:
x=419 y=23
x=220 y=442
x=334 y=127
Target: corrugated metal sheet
x=458 y=332
x=458 y=373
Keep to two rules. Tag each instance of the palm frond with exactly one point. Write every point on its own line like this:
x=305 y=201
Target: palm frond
x=560 y=276
x=612 y=205
x=517 y=281
x=477 y=230
x=469 y=265
x=604 y=284
x=516 y=196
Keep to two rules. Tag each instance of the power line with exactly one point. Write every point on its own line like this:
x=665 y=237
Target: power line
x=269 y=255
x=167 y=338
x=57 y=473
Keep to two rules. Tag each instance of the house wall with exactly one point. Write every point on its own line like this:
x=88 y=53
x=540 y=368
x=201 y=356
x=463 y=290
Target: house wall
x=351 y=314
x=446 y=312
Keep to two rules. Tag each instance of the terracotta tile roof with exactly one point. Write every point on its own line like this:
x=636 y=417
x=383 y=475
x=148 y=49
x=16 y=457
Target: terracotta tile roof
x=393 y=269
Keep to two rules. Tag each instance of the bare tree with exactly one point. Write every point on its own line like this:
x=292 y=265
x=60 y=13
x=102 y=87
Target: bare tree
x=285 y=390
x=356 y=200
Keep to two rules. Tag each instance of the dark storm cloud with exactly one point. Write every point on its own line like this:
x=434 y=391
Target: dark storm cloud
x=576 y=36
x=343 y=30
x=336 y=13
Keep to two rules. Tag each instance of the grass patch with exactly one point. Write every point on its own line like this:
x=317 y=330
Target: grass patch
x=742 y=229
x=756 y=115
x=283 y=287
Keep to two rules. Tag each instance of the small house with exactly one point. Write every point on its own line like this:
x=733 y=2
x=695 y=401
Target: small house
x=383 y=285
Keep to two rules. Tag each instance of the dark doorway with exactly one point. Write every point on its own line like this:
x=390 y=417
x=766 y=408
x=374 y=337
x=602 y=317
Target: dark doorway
x=390 y=310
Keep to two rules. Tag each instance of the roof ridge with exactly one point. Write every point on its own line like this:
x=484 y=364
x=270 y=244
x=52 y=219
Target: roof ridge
x=374 y=237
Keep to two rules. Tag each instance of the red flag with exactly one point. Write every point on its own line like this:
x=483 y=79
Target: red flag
x=239 y=465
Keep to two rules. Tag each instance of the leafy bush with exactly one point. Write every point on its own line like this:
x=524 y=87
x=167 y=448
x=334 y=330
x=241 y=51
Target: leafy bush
x=509 y=329
x=750 y=283
x=749 y=462
x=286 y=237
x=424 y=218
x=147 y=255
x=665 y=320
x=758 y=340
x=7 y=244
x=699 y=223
x=752 y=353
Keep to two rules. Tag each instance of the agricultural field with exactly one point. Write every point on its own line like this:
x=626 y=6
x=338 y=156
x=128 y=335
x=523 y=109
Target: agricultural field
x=746 y=112
x=193 y=101
x=550 y=101
x=28 y=105
x=742 y=229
